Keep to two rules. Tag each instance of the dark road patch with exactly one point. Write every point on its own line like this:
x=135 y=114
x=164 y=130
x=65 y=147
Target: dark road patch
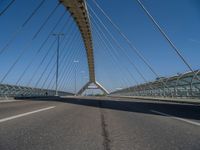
x=105 y=134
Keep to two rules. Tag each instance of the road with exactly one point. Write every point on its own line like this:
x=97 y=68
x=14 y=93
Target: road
x=98 y=124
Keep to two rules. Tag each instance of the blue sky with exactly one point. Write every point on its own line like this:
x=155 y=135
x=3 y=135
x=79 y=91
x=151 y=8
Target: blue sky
x=180 y=19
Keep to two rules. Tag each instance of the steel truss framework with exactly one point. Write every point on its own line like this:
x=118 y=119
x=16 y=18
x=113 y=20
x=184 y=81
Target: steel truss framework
x=183 y=85
x=14 y=91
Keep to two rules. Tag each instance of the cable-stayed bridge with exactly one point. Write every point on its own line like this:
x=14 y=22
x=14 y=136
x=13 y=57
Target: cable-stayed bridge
x=87 y=24
x=56 y=53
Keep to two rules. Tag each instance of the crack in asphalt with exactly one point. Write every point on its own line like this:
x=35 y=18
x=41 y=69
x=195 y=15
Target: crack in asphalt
x=105 y=134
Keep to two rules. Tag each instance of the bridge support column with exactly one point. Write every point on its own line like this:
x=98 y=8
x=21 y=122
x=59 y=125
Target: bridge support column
x=99 y=86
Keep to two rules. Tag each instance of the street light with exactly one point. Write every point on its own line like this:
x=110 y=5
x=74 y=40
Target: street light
x=57 y=35
x=75 y=61
x=82 y=75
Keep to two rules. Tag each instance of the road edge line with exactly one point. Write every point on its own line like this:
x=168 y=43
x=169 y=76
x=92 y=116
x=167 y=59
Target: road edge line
x=177 y=118
x=25 y=114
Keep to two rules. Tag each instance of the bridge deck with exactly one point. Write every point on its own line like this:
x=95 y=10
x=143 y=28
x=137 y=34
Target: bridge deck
x=98 y=124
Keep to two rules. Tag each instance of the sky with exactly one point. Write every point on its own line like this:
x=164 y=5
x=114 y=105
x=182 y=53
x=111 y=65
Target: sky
x=180 y=19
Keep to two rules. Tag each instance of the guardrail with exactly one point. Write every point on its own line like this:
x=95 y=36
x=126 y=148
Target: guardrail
x=182 y=86
x=7 y=90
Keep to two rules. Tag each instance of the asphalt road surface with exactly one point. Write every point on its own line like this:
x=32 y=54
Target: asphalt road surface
x=98 y=124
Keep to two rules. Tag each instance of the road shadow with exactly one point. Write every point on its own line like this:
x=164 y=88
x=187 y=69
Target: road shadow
x=146 y=107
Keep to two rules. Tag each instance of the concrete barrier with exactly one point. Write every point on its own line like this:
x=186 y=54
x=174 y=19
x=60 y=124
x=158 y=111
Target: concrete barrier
x=165 y=99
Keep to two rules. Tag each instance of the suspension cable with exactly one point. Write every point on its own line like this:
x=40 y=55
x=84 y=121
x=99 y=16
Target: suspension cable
x=63 y=56
x=114 y=56
x=39 y=50
x=28 y=44
x=14 y=35
x=50 y=60
x=61 y=59
x=119 y=46
x=68 y=64
x=110 y=55
x=70 y=55
x=65 y=76
x=45 y=81
x=46 y=20
x=127 y=40
x=79 y=53
x=41 y=62
x=65 y=73
x=165 y=35
x=6 y=8
x=107 y=54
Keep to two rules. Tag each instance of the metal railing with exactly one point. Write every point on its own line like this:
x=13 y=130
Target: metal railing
x=182 y=85
x=7 y=90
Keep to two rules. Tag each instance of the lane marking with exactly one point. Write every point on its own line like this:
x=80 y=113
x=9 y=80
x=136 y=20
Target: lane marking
x=9 y=101
x=177 y=118
x=25 y=114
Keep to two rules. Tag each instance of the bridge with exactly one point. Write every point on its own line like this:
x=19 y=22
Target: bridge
x=79 y=74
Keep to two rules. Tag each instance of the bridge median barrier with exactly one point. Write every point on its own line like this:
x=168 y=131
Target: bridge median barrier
x=164 y=99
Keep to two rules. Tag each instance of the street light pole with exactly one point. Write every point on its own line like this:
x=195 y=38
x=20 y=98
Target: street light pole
x=75 y=61
x=58 y=35
x=82 y=75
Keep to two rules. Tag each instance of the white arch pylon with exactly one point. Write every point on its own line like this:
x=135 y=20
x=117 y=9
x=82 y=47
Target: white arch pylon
x=79 y=12
x=99 y=86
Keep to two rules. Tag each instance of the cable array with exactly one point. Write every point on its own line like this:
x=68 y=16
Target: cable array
x=37 y=74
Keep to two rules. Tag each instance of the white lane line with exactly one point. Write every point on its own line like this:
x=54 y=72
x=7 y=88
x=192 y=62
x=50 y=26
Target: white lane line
x=9 y=101
x=177 y=118
x=25 y=114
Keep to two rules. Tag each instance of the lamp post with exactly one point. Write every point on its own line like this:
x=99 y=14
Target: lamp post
x=75 y=61
x=82 y=75
x=57 y=35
